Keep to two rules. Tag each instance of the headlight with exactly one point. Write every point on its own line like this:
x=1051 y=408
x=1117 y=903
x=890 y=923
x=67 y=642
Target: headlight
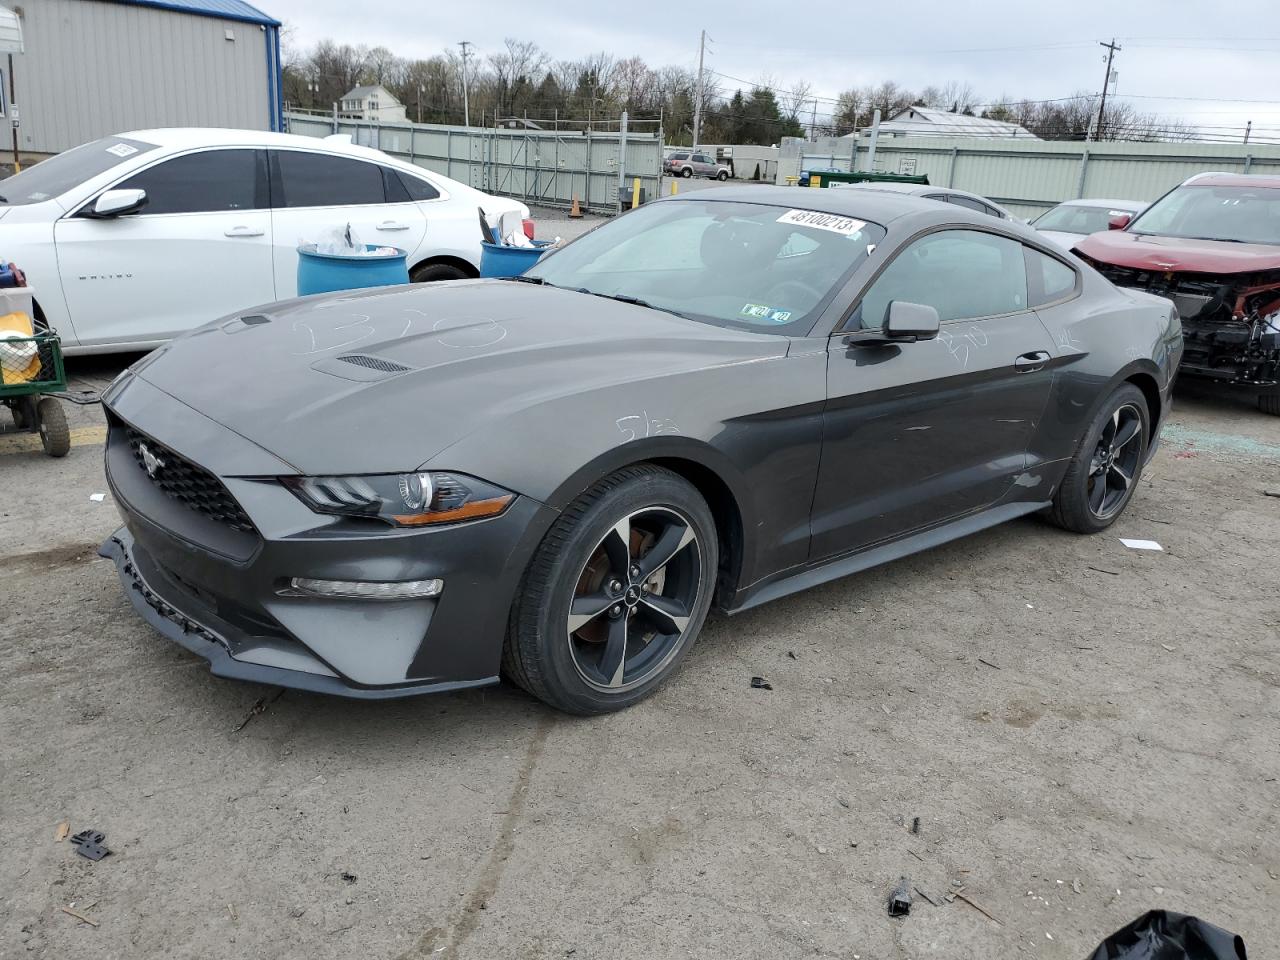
x=402 y=499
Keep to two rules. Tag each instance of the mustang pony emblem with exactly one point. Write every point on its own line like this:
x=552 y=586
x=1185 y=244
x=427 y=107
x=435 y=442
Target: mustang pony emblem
x=150 y=461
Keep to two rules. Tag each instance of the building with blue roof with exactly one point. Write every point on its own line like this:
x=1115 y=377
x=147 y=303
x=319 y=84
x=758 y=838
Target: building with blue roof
x=96 y=67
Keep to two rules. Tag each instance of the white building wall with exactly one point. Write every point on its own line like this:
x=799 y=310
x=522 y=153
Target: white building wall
x=94 y=68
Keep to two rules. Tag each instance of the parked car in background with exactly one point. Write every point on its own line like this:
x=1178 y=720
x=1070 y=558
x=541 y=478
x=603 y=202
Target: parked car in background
x=694 y=163
x=1068 y=222
x=960 y=198
x=134 y=239
x=719 y=398
x=1212 y=246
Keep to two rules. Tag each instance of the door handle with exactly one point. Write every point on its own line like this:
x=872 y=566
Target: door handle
x=243 y=232
x=1029 y=362
x=392 y=225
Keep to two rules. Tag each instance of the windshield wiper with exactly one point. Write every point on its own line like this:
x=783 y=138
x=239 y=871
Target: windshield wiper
x=634 y=301
x=537 y=280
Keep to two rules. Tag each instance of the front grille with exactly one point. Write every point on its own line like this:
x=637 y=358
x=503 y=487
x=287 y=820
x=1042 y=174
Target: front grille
x=374 y=363
x=187 y=483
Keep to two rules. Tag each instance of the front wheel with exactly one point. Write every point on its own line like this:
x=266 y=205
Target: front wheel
x=1103 y=474
x=722 y=175
x=55 y=435
x=616 y=594
x=433 y=272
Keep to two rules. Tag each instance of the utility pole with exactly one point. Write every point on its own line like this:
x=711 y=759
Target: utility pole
x=1112 y=49
x=697 y=94
x=466 y=107
x=813 y=120
x=1248 y=128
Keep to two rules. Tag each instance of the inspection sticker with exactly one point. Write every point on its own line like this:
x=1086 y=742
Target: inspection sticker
x=758 y=311
x=823 y=221
x=122 y=150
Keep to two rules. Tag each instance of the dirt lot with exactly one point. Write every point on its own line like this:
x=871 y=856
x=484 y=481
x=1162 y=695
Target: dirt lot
x=1084 y=731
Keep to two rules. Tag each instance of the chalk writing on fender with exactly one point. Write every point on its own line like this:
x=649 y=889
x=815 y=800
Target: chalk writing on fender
x=640 y=425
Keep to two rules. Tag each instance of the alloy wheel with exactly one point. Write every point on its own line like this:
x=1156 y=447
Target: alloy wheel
x=634 y=598
x=1115 y=462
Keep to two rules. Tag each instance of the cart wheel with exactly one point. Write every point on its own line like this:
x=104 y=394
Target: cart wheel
x=54 y=434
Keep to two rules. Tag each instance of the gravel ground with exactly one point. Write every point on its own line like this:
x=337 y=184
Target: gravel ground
x=1084 y=732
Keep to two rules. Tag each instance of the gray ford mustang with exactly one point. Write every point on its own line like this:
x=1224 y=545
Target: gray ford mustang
x=719 y=398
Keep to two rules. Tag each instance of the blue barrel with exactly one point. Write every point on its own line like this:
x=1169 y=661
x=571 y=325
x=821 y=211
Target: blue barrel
x=326 y=272
x=497 y=260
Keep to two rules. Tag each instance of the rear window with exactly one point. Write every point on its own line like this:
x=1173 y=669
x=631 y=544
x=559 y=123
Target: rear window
x=55 y=176
x=679 y=156
x=1069 y=218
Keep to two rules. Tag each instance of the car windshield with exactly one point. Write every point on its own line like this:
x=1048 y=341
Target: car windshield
x=55 y=176
x=1072 y=218
x=1241 y=214
x=741 y=265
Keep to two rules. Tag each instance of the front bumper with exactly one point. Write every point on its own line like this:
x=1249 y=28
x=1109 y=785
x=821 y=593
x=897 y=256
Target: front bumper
x=220 y=592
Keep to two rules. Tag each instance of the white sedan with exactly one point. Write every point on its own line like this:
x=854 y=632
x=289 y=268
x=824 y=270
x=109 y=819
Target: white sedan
x=1068 y=222
x=133 y=239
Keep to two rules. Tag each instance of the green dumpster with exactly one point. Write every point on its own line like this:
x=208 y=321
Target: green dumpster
x=825 y=178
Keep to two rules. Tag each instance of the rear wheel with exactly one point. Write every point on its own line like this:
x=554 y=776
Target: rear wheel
x=616 y=594
x=432 y=272
x=687 y=172
x=1102 y=476
x=1269 y=403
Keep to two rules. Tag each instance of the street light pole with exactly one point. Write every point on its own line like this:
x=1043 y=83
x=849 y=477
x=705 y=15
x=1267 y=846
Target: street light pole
x=466 y=107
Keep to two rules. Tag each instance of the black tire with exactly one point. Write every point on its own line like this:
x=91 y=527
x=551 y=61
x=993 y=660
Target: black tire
x=687 y=172
x=550 y=658
x=55 y=436
x=24 y=412
x=722 y=175
x=1076 y=505
x=1269 y=403
x=433 y=272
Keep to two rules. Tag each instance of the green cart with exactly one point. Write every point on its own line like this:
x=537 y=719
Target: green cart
x=30 y=370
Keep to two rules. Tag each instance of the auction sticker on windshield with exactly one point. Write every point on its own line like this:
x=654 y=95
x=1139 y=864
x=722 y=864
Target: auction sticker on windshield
x=846 y=226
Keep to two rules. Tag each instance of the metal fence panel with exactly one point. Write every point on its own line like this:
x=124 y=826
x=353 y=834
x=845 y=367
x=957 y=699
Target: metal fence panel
x=544 y=167
x=1030 y=176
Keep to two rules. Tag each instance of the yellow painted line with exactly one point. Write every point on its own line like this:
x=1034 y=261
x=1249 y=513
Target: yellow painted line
x=27 y=442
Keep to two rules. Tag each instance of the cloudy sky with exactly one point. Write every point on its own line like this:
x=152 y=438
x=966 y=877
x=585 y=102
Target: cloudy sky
x=1210 y=63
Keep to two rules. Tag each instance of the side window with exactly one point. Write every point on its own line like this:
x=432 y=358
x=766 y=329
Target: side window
x=963 y=274
x=416 y=187
x=206 y=182
x=977 y=205
x=322 y=180
x=1049 y=279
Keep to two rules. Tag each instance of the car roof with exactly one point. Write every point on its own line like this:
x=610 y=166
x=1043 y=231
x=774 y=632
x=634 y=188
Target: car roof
x=179 y=138
x=1232 y=180
x=877 y=206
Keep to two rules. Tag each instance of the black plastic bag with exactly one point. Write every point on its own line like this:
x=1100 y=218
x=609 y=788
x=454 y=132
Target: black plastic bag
x=1161 y=935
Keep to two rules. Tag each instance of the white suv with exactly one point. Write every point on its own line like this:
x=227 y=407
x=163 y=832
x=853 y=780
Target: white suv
x=134 y=239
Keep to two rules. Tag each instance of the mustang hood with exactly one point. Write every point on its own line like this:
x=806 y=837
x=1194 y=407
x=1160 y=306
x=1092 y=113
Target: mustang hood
x=379 y=381
x=1178 y=254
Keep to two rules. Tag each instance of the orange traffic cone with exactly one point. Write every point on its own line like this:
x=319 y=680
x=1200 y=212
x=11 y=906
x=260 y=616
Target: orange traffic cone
x=575 y=212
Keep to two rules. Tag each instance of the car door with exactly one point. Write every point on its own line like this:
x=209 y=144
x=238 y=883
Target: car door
x=199 y=249
x=916 y=434
x=314 y=194
x=702 y=165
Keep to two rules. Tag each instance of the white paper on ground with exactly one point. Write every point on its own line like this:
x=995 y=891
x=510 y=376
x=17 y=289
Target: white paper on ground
x=1141 y=544
x=97 y=497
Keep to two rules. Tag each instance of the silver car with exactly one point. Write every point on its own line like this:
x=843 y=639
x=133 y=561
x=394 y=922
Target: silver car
x=1068 y=222
x=694 y=163
x=961 y=198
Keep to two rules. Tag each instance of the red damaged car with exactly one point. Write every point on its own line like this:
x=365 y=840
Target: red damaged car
x=1212 y=246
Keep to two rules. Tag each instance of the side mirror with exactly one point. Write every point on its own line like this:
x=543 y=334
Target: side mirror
x=1119 y=222
x=117 y=203
x=904 y=322
x=911 y=321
